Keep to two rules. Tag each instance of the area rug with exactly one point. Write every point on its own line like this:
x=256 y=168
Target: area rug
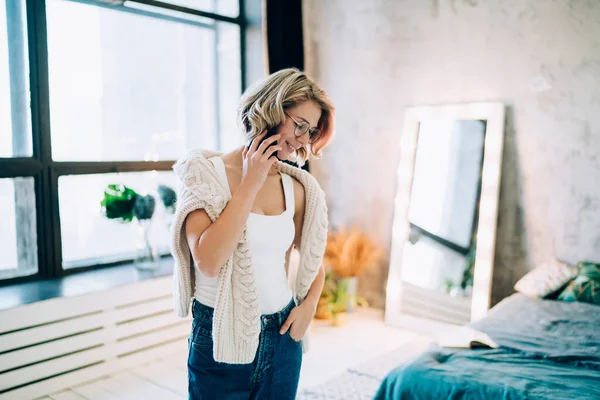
x=361 y=382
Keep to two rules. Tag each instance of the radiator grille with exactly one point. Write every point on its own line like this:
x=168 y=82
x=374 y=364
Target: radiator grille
x=54 y=344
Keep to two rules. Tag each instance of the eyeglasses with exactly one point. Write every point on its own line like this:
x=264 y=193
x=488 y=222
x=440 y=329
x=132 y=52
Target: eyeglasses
x=302 y=128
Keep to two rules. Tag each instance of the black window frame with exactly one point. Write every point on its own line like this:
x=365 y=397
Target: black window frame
x=40 y=165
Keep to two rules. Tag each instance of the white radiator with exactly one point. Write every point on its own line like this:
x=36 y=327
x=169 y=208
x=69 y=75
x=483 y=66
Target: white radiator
x=54 y=344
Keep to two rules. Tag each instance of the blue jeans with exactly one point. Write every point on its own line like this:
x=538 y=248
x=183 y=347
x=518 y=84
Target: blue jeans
x=273 y=374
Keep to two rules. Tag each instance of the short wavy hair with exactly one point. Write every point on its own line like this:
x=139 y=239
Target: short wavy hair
x=263 y=104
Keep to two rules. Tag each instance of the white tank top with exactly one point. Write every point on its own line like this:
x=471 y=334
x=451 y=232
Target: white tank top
x=269 y=237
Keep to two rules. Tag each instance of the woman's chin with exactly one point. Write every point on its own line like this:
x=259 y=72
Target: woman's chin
x=283 y=155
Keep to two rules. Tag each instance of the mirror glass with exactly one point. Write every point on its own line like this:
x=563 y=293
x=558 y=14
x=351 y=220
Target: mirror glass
x=438 y=256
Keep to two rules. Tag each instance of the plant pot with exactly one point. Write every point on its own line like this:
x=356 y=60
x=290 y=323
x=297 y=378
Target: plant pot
x=322 y=310
x=146 y=256
x=352 y=293
x=338 y=319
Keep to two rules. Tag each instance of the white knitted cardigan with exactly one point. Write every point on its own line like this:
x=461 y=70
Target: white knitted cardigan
x=236 y=321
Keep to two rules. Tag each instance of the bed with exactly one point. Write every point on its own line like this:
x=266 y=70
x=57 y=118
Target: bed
x=548 y=350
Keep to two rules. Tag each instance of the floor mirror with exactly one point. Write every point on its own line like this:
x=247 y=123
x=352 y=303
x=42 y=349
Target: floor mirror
x=446 y=205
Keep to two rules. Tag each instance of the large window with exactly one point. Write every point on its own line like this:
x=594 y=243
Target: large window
x=18 y=246
x=87 y=236
x=130 y=87
x=119 y=90
x=15 y=126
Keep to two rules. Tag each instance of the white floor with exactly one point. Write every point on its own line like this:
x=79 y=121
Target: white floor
x=333 y=350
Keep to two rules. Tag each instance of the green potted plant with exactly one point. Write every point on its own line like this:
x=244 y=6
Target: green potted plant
x=123 y=204
x=336 y=299
x=337 y=302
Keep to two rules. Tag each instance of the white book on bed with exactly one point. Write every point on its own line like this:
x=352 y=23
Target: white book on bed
x=465 y=338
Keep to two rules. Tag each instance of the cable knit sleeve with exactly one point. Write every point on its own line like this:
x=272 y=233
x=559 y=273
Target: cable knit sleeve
x=197 y=189
x=314 y=237
x=314 y=230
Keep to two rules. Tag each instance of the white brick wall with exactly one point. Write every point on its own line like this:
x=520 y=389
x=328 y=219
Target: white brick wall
x=541 y=58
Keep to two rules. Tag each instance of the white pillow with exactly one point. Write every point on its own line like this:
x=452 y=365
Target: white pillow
x=545 y=279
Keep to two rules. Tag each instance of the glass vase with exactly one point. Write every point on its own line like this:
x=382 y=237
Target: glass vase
x=352 y=293
x=146 y=257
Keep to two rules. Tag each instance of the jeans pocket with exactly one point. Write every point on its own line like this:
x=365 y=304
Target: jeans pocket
x=291 y=339
x=201 y=338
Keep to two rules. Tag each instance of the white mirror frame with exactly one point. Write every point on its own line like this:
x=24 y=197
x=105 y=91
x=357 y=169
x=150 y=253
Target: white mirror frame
x=494 y=114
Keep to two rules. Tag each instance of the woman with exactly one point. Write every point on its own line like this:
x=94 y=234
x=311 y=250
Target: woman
x=238 y=217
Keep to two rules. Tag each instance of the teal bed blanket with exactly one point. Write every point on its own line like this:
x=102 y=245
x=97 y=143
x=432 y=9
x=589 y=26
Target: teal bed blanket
x=548 y=350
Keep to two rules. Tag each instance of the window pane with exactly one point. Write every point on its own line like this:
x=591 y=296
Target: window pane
x=18 y=237
x=131 y=87
x=229 y=8
x=88 y=237
x=15 y=121
x=230 y=84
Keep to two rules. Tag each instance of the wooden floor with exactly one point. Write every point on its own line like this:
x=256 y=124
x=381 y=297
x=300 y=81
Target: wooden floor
x=162 y=379
x=333 y=350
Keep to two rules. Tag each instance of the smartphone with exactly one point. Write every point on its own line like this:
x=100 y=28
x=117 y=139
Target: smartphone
x=270 y=132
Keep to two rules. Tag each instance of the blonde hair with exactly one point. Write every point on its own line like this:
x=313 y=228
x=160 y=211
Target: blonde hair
x=263 y=104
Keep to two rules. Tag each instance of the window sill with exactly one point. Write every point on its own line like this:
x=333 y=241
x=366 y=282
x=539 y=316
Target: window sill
x=79 y=284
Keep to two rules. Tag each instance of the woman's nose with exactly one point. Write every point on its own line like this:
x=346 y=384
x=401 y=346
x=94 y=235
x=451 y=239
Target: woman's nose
x=303 y=139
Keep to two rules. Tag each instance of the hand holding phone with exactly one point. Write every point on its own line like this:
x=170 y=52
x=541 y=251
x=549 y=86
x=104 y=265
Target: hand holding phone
x=257 y=158
x=270 y=133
